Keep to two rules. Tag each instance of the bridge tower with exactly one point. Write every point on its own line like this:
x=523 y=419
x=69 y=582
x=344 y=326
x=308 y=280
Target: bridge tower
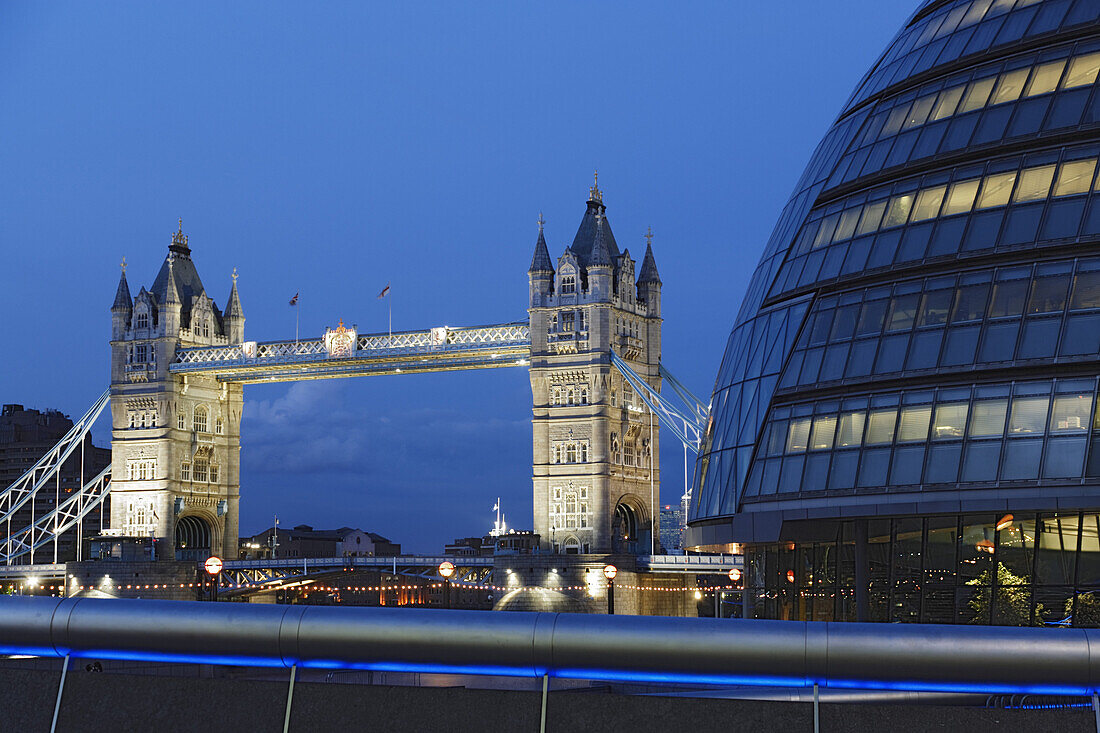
x=176 y=439
x=596 y=459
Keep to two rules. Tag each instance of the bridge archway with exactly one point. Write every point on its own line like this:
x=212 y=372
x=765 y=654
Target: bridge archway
x=630 y=531
x=194 y=538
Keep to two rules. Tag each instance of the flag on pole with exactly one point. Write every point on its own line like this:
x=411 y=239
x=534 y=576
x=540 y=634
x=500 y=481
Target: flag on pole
x=294 y=300
x=385 y=292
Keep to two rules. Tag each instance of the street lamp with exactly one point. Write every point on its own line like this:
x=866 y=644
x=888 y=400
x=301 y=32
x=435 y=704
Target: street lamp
x=213 y=567
x=446 y=569
x=609 y=572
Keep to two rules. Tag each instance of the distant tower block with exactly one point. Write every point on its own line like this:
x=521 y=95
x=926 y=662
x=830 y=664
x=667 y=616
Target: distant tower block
x=595 y=451
x=176 y=439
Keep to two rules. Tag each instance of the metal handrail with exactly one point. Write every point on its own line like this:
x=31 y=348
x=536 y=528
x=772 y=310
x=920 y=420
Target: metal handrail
x=841 y=655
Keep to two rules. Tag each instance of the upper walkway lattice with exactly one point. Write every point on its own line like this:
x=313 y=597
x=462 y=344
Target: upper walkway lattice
x=431 y=350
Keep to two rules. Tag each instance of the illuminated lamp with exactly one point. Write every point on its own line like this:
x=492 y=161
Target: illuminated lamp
x=1004 y=522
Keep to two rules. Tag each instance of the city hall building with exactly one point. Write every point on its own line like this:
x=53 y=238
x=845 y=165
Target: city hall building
x=904 y=424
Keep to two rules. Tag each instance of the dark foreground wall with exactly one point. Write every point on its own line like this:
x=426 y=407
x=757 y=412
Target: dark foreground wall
x=108 y=702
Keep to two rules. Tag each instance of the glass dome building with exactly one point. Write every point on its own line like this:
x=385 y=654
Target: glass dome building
x=904 y=426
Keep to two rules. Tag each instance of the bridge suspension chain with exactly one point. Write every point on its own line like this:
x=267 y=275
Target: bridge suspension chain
x=687 y=424
x=39 y=475
x=60 y=520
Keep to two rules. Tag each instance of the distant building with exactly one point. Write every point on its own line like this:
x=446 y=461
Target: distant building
x=25 y=436
x=305 y=541
x=523 y=542
x=672 y=529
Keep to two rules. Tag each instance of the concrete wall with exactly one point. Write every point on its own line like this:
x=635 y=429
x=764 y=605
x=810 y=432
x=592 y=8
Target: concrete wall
x=110 y=701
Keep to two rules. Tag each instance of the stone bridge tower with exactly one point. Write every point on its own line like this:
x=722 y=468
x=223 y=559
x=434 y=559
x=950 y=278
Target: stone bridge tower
x=175 y=445
x=596 y=458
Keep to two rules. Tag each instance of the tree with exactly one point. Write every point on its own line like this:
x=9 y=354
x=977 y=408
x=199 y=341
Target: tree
x=1011 y=599
x=1087 y=614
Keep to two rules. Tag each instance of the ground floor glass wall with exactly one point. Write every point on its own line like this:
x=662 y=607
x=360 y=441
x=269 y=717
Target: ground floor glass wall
x=1021 y=569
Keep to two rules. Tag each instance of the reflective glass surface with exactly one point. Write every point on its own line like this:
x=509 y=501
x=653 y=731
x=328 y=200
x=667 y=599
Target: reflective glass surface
x=925 y=318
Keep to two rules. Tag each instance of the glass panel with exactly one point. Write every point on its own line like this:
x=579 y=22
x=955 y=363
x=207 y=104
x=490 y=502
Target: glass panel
x=895 y=121
x=1086 y=291
x=928 y=203
x=1021 y=459
x=918 y=113
x=798 y=434
x=872 y=215
x=822 y=437
x=1008 y=298
x=981 y=461
x=961 y=198
x=870 y=321
x=903 y=310
x=948 y=101
x=1034 y=183
x=898 y=212
x=970 y=303
x=881 y=427
x=1075 y=177
x=977 y=94
x=825 y=233
x=950 y=421
x=988 y=419
x=914 y=423
x=1010 y=86
x=1048 y=294
x=1029 y=415
x=851 y=429
x=1071 y=413
x=1082 y=70
x=943 y=464
x=996 y=190
x=847 y=226
x=1045 y=79
x=933 y=311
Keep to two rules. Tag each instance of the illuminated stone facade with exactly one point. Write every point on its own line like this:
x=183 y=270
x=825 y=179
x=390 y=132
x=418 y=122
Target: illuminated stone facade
x=595 y=443
x=176 y=439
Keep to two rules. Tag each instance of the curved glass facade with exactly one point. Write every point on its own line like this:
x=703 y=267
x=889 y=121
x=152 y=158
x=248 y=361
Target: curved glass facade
x=920 y=342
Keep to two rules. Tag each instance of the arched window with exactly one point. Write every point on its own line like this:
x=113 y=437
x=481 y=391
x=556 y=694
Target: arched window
x=570 y=396
x=181 y=419
x=219 y=425
x=615 y=448
x=198 y=420
x=584 y=395
x=213 y=472
x=555 y=454
x=141 y=320
x=571 y=453
x=185 y=470
x=568 y=281
x=583 y=452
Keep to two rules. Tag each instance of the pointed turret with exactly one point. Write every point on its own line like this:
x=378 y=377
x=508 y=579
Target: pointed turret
x=233 y=316
x=649 y=268
x=123 y=307
x=600 y=265
x=171 y=292
x=601 y=254
x=541 y=261
x=649 y=281
x=540 y=277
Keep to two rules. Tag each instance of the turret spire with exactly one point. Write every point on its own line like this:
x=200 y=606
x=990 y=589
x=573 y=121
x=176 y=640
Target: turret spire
x=594 y=193
x=541 y=261
x=123 y=301
x=601 y=254
x=233 y=306
x=171 y=294
x=648 y=273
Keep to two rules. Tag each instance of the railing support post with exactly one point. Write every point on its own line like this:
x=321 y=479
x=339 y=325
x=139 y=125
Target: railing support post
x=817 y=715
x=61 y=689
x=545 y=692
x=289 y=698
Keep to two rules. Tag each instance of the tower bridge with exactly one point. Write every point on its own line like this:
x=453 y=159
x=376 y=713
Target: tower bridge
x=179 y=363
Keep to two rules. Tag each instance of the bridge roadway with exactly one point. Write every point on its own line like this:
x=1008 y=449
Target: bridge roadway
x=402 y=352
x=243 y=574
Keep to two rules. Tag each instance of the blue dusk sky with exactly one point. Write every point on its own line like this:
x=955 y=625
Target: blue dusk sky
x=332 y=148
